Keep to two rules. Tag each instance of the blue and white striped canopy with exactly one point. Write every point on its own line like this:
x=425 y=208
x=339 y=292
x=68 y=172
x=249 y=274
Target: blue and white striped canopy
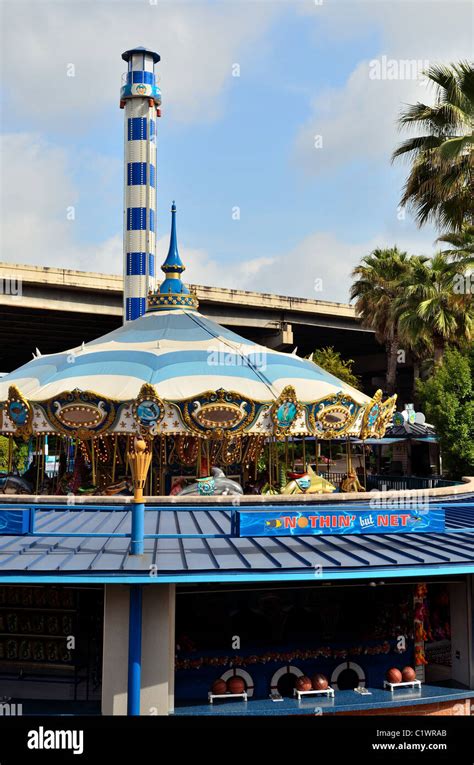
x=182 y=354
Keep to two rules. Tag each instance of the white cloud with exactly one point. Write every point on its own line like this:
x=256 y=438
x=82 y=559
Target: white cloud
x=39 y=204
x=35 y=190
x=317 y=267
x=198 y=44
x=357 y=121
x=33 y=206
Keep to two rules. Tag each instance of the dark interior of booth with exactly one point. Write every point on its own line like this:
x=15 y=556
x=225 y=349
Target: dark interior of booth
x=351 y=633
x=268 y=635
x=51 y=648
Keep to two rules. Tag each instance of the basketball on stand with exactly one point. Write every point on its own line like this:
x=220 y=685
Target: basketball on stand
x=320 y=682
x=393 y=675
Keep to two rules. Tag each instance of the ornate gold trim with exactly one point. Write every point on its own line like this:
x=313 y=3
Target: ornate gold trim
x=338 y=402
x=220 y=400
x=386 y=413
x=80 y=400
x=372 y=410
x=22 y=403
x=187 y=449
x=287 y=396
x=148 y=393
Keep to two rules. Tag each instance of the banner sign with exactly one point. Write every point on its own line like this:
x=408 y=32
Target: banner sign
x=14 y=522
x=329 y=521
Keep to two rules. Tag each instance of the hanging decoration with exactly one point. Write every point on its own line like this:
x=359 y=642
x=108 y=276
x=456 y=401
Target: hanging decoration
x=187 y=448
x=324 y=652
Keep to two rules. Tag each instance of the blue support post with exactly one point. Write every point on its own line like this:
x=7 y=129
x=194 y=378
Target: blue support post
x=134 y=650
x=138 y=528
x=32 y=520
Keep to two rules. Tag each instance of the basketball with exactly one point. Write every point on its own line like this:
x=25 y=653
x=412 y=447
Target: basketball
x=303 y=683
x=320 y=682
x=408 y=674
x=219 y=686
x=393 y=675
x=302 y=522
x=235 y=684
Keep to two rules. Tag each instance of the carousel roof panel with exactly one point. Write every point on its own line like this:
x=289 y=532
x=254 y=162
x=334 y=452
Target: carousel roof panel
x=182 y=354
x=180 y=558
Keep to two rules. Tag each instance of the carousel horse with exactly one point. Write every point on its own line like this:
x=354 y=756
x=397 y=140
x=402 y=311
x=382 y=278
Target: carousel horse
x=216 y=483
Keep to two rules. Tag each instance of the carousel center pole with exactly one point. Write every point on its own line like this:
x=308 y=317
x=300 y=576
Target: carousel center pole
x=139 y=460
x=134 y=650
x=365 y=465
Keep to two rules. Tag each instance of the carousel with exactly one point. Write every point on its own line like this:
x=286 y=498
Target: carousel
x=206 y=411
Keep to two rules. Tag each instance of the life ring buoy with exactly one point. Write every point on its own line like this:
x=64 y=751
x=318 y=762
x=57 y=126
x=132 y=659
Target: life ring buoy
x=244 y=675
x=348 y=665
x=286 y=669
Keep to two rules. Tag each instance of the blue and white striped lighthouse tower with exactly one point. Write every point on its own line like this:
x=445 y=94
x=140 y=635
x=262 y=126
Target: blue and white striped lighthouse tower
x=141 y=99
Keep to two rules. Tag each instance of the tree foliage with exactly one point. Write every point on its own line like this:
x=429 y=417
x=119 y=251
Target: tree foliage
x=378 y=283
x=20 y=454
x=448 y=401
x=332 y=362
x=439 y=187
x=429 y=310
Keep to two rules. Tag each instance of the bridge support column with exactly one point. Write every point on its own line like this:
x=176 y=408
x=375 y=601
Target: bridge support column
x=281 y=339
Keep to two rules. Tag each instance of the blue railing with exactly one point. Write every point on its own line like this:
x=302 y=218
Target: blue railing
x=21 y=520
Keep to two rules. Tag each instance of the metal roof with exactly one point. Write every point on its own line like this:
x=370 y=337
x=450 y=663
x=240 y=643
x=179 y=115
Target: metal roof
x=140 y=49
x=411 y=430
x=60 y=557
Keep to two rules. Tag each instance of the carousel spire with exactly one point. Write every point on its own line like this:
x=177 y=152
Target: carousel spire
x=173 y=262
x=172 y=292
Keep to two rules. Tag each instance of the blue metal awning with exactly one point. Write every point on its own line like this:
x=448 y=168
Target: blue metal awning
x=378 y=441
x=207 y=552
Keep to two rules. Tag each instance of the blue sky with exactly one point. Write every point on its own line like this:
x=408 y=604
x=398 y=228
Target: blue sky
x=306 y=213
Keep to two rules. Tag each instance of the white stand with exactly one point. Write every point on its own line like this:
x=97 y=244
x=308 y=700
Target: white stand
x=211 y=696
x=393 y=686
x=301 y=694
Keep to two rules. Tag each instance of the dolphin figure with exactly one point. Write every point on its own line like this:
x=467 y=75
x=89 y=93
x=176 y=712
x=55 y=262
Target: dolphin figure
x=223 y=485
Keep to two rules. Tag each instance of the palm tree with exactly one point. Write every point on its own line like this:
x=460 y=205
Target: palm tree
x=376 y=287
x=428 y=311
x=439 y=187
x=462 y=244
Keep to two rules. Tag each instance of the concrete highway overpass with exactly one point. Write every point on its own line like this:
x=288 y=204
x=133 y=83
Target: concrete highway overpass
x=59 y=308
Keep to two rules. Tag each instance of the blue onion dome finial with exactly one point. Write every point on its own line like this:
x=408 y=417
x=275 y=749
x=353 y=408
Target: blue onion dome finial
x=172 y=292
